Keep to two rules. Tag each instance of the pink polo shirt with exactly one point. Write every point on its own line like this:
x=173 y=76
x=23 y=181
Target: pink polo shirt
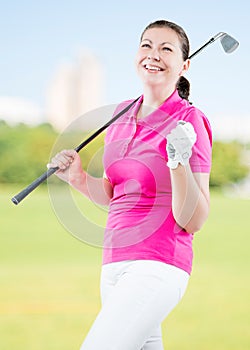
x=140 y=221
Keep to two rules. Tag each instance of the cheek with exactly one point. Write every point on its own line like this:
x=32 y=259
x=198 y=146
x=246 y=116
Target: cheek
x=138 y=61
x=177 y=69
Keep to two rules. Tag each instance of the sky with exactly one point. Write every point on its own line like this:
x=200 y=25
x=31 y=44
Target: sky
x=36 y=37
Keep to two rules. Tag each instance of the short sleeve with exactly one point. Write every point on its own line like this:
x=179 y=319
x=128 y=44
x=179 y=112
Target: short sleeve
x=201 y=159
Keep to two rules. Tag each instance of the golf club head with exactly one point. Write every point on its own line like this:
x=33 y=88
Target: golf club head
x=228 y=43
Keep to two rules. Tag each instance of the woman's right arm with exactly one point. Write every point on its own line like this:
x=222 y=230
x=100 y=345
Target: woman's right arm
x=98 y=190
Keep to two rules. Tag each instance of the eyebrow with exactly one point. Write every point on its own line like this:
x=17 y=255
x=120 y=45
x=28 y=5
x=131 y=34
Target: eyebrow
x=166 y=42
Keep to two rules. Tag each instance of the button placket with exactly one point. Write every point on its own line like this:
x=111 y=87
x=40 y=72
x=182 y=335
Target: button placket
x=126 y=144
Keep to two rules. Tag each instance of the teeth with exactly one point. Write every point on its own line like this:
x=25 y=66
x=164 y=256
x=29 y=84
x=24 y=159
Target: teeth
x=152 y=67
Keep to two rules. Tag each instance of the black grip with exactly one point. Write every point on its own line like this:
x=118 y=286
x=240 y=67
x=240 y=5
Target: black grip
x=24 y=193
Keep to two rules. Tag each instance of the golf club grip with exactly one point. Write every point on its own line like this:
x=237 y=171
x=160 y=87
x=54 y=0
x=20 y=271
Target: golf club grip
x=24 y=193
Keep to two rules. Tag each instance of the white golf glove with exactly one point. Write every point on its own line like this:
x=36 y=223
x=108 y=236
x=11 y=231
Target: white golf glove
x=179 y=144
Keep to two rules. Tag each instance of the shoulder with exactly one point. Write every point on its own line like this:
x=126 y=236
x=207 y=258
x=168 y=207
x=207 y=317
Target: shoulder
x=199 y=121
x=122 y=105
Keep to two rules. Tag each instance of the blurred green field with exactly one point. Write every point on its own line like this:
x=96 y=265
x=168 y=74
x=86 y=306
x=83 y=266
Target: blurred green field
x=49 y=293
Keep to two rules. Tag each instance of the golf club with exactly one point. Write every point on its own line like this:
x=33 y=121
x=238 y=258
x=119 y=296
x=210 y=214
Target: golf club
x=228 y=43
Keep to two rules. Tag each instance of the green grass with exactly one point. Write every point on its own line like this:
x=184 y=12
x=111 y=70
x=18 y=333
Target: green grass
x=49 y=293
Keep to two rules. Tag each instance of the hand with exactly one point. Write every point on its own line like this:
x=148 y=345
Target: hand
x=69 y=164
x=179 y=144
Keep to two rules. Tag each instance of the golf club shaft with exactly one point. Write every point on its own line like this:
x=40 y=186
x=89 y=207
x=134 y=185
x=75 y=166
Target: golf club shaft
x=201 y=48
x=24 y=193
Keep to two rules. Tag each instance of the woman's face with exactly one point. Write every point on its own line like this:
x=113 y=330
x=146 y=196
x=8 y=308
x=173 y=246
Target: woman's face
x=159 y=59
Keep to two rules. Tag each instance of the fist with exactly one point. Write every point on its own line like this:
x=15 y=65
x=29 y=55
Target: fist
x=68 y=163
x=179 y=144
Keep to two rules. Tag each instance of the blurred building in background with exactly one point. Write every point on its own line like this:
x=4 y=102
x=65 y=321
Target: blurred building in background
x=75 y=89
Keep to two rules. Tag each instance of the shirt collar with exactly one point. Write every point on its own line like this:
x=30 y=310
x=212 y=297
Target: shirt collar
x=167 y=108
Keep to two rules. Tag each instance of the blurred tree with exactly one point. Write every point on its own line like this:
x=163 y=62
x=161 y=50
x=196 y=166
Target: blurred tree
x=228 y=165
x=25 y=151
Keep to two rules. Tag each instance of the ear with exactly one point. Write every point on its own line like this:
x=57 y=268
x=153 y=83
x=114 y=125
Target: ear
x=185 y=67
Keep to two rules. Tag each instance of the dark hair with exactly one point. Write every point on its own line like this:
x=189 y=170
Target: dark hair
x=183 y=85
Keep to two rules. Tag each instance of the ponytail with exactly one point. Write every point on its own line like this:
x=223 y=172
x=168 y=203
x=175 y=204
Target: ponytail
x=183 y=88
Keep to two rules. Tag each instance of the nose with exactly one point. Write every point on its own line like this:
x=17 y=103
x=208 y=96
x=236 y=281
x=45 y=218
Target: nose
x=154 y=56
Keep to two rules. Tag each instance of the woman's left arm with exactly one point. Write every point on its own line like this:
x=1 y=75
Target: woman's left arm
x=190 y=189
x=190 y=197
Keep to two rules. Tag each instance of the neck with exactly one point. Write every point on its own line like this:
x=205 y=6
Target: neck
x=153 y=98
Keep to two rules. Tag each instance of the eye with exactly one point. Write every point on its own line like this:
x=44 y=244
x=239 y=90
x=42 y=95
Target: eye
x=146 y=46
x=166 y=48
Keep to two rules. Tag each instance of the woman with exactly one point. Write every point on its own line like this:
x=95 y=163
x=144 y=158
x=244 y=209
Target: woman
x=157 y=161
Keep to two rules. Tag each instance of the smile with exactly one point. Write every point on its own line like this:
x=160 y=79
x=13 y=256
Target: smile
x=153 y=68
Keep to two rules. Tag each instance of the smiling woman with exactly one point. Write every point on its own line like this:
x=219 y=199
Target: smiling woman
x=164 y=48
x=157 y=160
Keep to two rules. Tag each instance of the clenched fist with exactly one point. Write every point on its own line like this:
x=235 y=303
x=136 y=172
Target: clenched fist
x=179 y=144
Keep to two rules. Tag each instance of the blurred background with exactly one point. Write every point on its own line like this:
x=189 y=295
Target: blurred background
x=69 y=63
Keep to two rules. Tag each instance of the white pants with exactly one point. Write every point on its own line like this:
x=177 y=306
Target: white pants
x=136 y=297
